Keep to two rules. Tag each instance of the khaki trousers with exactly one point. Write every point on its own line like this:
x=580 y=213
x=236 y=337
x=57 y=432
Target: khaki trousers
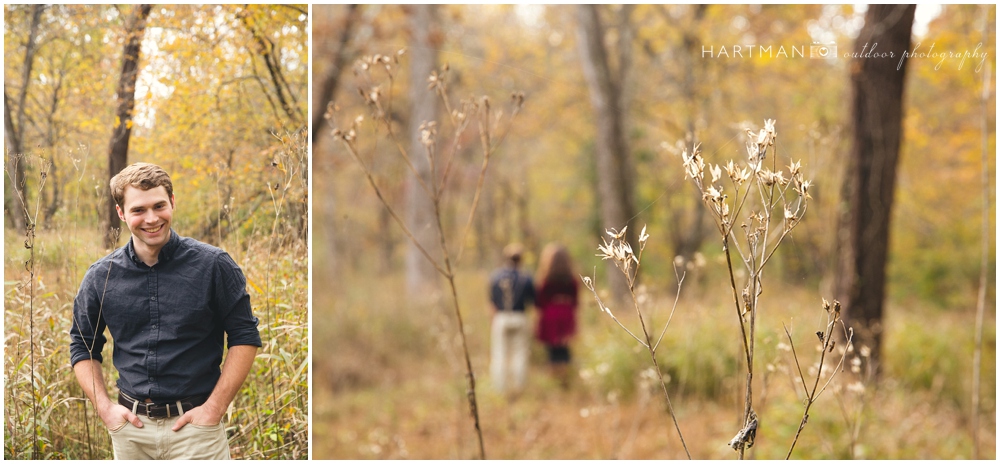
x=510 y=341
x=155 y=440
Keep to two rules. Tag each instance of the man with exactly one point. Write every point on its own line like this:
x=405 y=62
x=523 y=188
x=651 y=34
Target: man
x=168 y=302
x=510 y=293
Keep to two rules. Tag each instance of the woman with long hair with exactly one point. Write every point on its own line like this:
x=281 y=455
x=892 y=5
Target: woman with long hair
x=556 y=299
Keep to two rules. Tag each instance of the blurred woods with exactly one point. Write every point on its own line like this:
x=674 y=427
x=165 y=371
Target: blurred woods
x=613 y=94
x=217 y=96
x=218 y=92
x=680 y=88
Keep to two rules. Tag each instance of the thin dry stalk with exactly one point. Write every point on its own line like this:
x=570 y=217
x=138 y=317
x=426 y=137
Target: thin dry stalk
x=373 y=97
x=853 y=415
x=854 y=418
x=115 y=234
x=977 y=353
x=827 y=344
x=620 y=252
x=518 y=99
x=287 y=166
x=436 y=188
x=762 y=189
x=677 y=297
x=31 y=222
x=11 y=168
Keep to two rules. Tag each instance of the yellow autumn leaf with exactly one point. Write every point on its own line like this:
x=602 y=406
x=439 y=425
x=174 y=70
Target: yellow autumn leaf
x=255 y=286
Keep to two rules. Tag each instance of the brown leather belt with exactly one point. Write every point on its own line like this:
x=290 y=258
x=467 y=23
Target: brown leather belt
x=161 y=410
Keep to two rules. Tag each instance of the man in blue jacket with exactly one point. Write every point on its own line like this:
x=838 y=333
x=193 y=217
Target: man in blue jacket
x=511 y=291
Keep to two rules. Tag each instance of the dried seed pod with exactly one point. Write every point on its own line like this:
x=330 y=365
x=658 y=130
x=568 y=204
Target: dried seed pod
x=747 y=434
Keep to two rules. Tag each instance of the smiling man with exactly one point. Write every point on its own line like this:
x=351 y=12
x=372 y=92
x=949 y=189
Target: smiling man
x=170 y=303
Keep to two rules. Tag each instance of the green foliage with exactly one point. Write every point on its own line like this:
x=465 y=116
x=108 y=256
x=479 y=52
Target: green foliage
x=937 y=358
x=698 y=361
x=612 y=366
x=703 y=366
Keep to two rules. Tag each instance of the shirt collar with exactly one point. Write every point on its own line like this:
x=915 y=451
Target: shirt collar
x=166 y=253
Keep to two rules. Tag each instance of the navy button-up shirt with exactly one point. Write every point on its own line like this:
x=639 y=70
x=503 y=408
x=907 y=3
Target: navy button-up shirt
x=168 y=321
x=511 y=290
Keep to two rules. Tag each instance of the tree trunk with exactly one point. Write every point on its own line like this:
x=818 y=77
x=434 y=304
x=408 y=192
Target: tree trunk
x=15 y=206
x=615 y=169
x=877 y=113
x=324 y=92
x=14 y=202
x=267 y=51
x=135 y=28
x=421 y=276
x=326 y=88
x=485 y=224
x=53 y=137
x=387 y=244
x=688 y=235
x=522 y=210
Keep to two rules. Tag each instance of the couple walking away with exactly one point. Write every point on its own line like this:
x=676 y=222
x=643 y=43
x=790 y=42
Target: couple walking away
x=511 y=291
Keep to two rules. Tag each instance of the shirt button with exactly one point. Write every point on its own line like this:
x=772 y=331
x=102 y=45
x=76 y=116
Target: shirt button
x=154 y=298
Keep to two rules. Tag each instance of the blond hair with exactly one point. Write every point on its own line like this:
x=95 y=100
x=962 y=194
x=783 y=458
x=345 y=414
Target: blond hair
x=143 y=176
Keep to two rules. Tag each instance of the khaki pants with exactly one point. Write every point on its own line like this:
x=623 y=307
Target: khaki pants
x=155 y=440
x=510 y=342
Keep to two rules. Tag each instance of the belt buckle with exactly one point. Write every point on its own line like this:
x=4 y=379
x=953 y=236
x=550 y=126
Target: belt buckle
x=153 y=412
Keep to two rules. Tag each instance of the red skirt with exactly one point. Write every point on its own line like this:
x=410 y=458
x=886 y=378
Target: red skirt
x=557 y=324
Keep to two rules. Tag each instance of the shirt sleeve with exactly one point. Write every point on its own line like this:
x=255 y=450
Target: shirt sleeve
x=496 y=295
x=87 y=332
x=233 y=303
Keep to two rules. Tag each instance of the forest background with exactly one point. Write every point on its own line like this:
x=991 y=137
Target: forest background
x=388 y=375
x=220 y=102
